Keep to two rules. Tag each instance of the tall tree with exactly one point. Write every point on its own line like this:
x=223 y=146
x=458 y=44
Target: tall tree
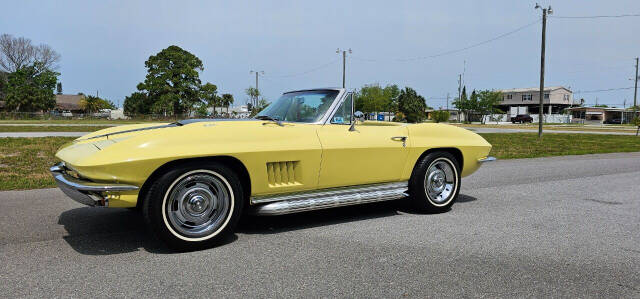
x=412 y=105
x=464 y=104
x=253 y=94
x=487 y=102
x=391 y=93
x=262 y=103
x=3 y=84
x=19 y=52
x=373 y=98
x=31 y=88
x=227 y=100
x=172 y=83
x=59 y=88
x=209 y=94
x=137 y=103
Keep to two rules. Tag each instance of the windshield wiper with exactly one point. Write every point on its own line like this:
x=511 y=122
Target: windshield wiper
x=273 y=119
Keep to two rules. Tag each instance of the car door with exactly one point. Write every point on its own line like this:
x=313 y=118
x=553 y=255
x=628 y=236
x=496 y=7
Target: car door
x=371 y=153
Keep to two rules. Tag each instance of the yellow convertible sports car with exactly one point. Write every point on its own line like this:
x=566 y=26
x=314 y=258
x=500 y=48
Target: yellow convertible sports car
x=193 y=179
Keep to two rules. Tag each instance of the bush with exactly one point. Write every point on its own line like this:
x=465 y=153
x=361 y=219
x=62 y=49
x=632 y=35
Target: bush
x=399 y=117
x=440 y=116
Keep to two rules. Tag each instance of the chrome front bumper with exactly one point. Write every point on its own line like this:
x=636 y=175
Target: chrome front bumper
x=84 y=191
x=487 y=159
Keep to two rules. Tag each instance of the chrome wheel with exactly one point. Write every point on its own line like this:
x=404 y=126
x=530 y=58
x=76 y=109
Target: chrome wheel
x=198 y=204
x=441 y=181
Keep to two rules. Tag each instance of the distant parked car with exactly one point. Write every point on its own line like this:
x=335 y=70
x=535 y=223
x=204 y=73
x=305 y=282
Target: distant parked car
x=613 y=121
x=66 y=113
x=522 y=118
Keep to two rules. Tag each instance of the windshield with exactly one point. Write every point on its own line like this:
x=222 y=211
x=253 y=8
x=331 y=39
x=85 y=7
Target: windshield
x=304 y=106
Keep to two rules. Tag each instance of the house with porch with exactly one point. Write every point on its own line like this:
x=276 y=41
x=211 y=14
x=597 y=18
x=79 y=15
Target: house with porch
x=527 y=100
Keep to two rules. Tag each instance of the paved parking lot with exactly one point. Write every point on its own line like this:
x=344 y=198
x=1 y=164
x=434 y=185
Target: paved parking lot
x=561 y=226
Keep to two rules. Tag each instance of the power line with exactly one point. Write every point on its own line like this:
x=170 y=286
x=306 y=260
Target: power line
x=602 y=90
x=449 y=52
x=596 y=17
x=310 y=70
x=473 y=45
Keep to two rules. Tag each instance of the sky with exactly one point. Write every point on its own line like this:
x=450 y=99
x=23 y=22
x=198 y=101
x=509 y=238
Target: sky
x=104 y=44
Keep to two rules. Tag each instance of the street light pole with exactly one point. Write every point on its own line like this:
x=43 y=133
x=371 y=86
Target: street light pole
x=344 y=63
x=257 y=90
x=542 y=49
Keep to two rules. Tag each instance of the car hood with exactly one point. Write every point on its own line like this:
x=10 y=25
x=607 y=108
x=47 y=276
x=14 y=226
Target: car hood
x=94 y=142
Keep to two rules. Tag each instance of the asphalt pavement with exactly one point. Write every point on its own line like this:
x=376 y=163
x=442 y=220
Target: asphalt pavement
x=548 y=227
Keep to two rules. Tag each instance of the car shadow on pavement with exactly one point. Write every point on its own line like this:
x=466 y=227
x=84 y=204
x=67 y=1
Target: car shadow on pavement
x=100 y=231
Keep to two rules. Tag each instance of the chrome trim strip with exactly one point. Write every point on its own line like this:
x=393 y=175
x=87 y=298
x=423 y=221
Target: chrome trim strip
x=133 y=130
x=487 y=159
x=327 y=192
x=308 y=201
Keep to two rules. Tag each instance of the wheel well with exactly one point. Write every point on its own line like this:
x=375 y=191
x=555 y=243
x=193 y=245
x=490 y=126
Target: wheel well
x=231 y=162
x=452 y=150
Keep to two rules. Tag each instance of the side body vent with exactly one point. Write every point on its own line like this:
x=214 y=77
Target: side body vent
x=283 y=174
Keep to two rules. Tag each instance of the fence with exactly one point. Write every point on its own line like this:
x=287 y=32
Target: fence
x=548 y=118
x=100 y=115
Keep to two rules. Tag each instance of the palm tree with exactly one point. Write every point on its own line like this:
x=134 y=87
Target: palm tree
x=209 y=93
x=226 y=100
x=253 y=94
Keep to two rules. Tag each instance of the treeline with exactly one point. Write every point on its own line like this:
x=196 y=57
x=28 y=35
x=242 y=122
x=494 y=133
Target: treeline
x=172 y=86
x=405 y=104
x=482 y=103
x=27 y=76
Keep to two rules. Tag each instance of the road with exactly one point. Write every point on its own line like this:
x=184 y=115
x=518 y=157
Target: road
x=512 y=130
x=549 y=227
x=42 y=134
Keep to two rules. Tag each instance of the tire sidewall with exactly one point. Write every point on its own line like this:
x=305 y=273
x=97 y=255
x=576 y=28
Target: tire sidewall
x=456 y=186
x=156 y=199
x=417 y=189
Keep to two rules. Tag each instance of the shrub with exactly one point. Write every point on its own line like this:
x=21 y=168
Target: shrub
x=440 y=116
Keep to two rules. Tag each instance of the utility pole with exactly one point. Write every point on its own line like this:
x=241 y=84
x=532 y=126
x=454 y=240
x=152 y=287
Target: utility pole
x=542 y=48
x=344 y=63
x=635 y=91
x=258 y=90
x=447 y=101
x=459 y=93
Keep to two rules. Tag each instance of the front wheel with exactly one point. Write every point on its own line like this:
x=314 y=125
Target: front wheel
x=194 y=206
x=435 y=182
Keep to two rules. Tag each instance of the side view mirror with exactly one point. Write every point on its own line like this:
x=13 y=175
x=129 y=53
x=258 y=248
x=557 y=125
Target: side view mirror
x=359 y=115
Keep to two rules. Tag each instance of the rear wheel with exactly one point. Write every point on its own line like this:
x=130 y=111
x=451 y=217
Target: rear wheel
x=194 y=206
x=435 y=182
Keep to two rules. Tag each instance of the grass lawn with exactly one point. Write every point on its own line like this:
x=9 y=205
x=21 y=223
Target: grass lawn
x=75 y=121
x=25 y=162
x=527 y=145
x=52 y=128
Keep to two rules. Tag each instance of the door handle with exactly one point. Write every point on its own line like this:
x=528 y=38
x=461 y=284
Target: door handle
x=400 y=138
